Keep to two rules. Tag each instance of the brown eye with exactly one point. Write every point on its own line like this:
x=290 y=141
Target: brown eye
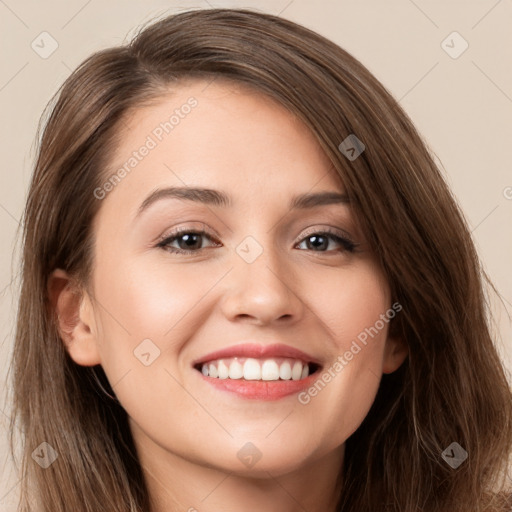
x=188 y=241
x=319 y=242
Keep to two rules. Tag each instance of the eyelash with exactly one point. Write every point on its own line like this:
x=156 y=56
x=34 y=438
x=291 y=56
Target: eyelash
x=348 y=245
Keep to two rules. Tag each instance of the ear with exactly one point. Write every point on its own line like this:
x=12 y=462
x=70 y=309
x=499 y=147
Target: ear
x=75 y=319
x=395 y=352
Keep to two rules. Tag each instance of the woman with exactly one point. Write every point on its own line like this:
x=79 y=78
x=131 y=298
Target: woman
x=247 y=286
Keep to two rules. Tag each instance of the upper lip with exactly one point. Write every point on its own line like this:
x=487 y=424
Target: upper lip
x=258 y=351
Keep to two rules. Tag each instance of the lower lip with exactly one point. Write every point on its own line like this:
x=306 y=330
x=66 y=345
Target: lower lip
x=261 y=389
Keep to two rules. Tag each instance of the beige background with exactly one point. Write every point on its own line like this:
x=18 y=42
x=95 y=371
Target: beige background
x=462 y=106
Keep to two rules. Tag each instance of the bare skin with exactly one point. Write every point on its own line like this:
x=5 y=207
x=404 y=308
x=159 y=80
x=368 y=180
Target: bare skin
x=317 y=299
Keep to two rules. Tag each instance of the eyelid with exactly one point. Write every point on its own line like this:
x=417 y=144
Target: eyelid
x=330 y=230
x=174 y=232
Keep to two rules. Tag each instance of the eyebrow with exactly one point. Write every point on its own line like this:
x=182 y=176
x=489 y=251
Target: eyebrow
x=213 y=197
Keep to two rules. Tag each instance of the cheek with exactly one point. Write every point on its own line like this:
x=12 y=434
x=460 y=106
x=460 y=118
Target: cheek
x=145 y=318
x=350 y=305
x=147 y=315
x=156 y=303
x=348 y=301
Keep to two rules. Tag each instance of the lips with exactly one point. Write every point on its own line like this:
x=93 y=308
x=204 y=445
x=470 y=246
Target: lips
x=275 y=371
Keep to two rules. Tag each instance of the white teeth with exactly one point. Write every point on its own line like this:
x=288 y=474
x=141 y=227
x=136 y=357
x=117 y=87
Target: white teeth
x=252 y=370
x=235 y=370
x=270 y=370
x=285 y=371
x=212 y=370
x=255 y=369
x=296 y=371
x=223 y=370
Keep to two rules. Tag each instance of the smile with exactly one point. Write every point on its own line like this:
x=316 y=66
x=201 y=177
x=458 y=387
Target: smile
x=258 y=372
x=266 y=369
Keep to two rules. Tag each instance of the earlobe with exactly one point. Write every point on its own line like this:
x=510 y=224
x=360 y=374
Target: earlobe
x=395 y=352
x=74 y=318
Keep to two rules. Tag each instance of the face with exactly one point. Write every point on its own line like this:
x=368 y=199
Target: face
x=280 y=289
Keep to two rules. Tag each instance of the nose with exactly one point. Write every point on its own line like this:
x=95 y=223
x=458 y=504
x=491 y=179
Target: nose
x=262 y=292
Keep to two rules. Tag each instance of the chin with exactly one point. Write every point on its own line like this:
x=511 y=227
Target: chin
x=264 y=461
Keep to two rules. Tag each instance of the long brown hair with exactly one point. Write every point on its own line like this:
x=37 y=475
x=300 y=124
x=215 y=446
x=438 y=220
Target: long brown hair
x=451 y=388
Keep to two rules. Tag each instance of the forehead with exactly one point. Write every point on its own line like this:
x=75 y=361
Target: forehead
x=221 y=135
